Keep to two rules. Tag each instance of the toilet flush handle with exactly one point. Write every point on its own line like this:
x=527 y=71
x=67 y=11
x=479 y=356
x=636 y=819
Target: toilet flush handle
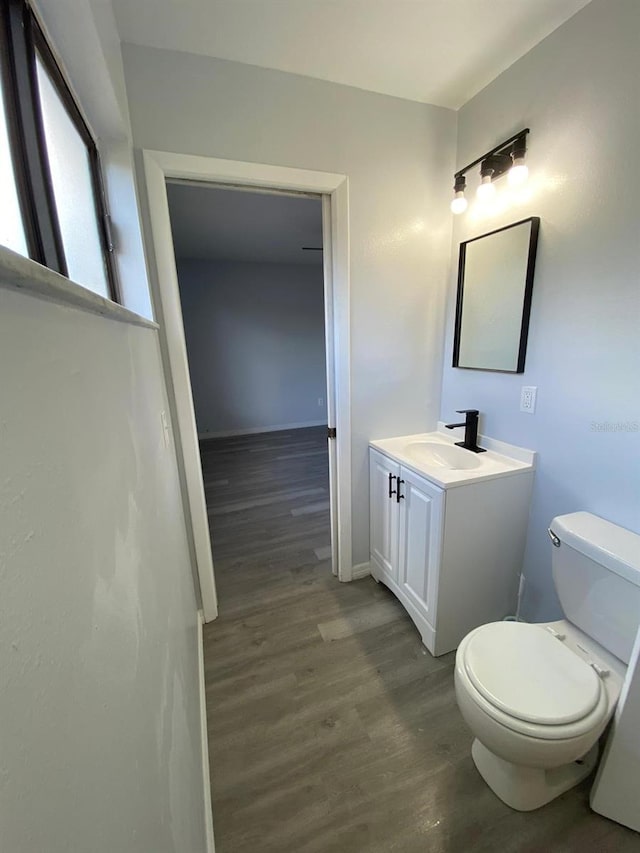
x=553 y=537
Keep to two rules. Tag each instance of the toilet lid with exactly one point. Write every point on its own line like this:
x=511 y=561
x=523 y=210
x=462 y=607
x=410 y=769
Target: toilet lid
x=529 y=674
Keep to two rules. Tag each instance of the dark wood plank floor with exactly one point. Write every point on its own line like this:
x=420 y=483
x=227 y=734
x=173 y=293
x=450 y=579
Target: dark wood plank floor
x=331 y=728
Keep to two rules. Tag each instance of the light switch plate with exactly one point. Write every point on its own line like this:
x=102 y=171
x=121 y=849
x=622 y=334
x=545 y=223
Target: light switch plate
x=528 y=399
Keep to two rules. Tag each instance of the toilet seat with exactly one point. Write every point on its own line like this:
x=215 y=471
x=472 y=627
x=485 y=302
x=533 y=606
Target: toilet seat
x=530 y=675
x=529 y=681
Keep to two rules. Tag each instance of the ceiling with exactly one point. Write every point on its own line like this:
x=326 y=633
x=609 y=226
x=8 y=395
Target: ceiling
x=436 y=51
x=210 y=223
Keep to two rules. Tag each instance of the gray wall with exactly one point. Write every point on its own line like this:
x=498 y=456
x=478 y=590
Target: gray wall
x=255 y=340
x=578 y=92
x=398 y=156
x=100 y=744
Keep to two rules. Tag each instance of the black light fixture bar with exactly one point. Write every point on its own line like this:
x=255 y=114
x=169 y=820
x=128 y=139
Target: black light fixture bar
x=499 y=149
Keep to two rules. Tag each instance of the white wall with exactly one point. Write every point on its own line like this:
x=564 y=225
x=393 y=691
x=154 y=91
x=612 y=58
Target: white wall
x=100 y=741
x=255 y=341
x=100 y=747
x=398 y=156
x=578 y=93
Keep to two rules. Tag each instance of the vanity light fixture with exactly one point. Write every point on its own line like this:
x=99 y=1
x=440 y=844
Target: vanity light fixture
x=459 y=203
x=519 y=171
x=509 y=157
x=486 y=190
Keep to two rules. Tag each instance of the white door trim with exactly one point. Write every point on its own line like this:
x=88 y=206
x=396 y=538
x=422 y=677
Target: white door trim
x=330 y=355
x=204 y=741
x=160 y=165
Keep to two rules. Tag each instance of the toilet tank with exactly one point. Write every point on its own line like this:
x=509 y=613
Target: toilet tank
x=596 y=571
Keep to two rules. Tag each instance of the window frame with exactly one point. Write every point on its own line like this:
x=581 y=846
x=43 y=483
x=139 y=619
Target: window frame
x=22 y=39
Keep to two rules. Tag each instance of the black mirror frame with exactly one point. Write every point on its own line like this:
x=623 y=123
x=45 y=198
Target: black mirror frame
x=526 y=306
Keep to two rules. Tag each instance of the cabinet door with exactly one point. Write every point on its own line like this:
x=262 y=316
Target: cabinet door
x=420 y=546
x=383 y=512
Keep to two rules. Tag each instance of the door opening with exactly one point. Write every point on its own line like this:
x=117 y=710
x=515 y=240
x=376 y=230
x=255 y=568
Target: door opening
x=162 y=166
x=251 y=279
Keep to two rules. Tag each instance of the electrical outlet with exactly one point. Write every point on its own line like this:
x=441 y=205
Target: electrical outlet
x=528 y=399
x=320 y=401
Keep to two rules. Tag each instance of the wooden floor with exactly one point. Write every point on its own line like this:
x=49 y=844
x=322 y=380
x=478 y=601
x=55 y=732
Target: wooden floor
x=331 y=728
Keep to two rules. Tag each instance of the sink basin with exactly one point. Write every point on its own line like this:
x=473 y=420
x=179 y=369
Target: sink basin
x=434 y=456
x=444 y=455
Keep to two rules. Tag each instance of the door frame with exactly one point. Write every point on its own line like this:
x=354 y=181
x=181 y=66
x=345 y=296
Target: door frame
x=157 y=167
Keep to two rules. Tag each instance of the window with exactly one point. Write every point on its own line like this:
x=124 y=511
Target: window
x=49 y=164
x=12 y=232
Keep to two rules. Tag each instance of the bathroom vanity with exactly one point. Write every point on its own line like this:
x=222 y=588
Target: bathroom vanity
x=448 y=530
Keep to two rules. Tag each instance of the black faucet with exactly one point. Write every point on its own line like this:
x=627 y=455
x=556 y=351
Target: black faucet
x=470 y=430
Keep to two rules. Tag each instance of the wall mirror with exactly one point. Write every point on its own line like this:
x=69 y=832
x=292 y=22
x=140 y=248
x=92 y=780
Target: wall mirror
x=495 y=280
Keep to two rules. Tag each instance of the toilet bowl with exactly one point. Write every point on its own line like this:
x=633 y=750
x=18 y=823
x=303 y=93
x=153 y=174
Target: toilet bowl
x=539 y=696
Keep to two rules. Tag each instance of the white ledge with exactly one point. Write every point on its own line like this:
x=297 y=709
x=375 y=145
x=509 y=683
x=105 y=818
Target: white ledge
x=20 y=273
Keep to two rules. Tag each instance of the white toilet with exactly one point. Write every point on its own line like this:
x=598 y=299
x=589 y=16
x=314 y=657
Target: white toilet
x=538 y=697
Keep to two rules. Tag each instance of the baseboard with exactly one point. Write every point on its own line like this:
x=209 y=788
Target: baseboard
x=204 y=737
x=362 y=570
x=257 y=430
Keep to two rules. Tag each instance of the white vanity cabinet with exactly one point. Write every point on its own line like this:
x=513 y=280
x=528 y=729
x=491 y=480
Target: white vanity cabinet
x=451 y=555
x=383 y=478
x=406 y=514
x=420 y=543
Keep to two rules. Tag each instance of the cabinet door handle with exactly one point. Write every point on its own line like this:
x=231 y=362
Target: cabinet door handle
x=391 y=491
x=399 y=497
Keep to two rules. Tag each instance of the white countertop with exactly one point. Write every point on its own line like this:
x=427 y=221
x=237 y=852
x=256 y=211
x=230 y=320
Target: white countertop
x=499 y=460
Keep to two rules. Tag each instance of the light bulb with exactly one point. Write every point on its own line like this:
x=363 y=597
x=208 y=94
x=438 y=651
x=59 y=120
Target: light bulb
x=486 y=190
x=459 y=203
x=519 y=172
